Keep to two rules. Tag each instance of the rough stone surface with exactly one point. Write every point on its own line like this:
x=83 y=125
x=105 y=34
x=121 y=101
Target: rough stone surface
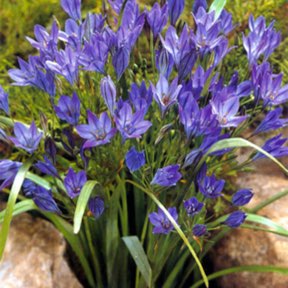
x=246 y=247
x=34 y=258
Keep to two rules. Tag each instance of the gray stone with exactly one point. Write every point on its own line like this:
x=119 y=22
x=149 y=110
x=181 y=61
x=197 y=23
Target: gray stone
x=34 y=256
x=247 y=247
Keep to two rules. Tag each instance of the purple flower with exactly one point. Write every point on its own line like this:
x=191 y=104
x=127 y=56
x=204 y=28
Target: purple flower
x=131 y=125
x=164 y=94
x=268 y=86
x=116 y=5
x=74 y=182
x=199 y=3
x=26 y=138
x=271 y=121
x=242 y=197
x=93 y=23
x=196 y=121
x=210 y=187
x=193 y=206
x=235 y=219
x=161 y=223
x=41 y=197
x=68 y=109
x=4 y=101
x=261 y=40
x=8 y=170
x=141 y=97
x=108 y=91
x=65 y=64
x=96 y=206
x=97 y=131
x=225 y=111
x=199 y=230
x=164 y=62
x=274 y=146
x=226 y=25
x=157 y=18
x=134 y=159
x=72 y=8
x=47 y=167
x=30 y=73
x=50 y=148
x=94 y=54
x=175 y=8
x=45 y=42
x=120 y=60
x=182 y=50
x=167 y=176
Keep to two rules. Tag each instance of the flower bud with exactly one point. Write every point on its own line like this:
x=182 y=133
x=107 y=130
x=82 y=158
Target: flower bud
x=108 y=91
x=242 y=197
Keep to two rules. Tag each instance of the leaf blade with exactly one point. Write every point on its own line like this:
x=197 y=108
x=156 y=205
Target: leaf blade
x=82 y=203
x=16 y=186
x=217 y=6
x=138 y=254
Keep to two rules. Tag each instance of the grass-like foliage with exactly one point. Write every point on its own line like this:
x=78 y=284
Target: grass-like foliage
x=127 y=137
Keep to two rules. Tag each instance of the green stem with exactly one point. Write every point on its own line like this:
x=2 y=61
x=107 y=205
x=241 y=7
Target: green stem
x=177 y=228
x=93 y=254
x=248 y=268
x=268 y=201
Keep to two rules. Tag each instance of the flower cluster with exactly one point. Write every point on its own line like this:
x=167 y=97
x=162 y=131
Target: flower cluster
x=190 y=105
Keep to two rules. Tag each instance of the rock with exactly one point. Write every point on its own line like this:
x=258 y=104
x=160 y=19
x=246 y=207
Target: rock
x=34 y=256
x=247 y=247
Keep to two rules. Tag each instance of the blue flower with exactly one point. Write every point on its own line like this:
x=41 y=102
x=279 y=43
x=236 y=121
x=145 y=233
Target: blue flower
x=131 y=125
x=235 y=219
x=47 y=167
x=199 y=230
x=167 y=176
x=4 y=105
x=274 y=146
x=72 y=8
x=108 y=91
x=193 y=206
x=68 y=109
x=176 y=8
x=74 y=182
x=26 y=138
x=97 y=206
x=157 y=18
x=162 y=224
x=97 y=131
x=164 y=94
x=140 y=97
x=210 y=187
x=41 y=197
x=271 y=121
x=261 y=40
x=242 y=197
x=268 y=86
x=8 y=170
x=226 y=110
x=134 y=159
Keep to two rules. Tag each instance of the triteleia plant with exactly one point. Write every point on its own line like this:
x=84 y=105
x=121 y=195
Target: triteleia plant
x=137 y=156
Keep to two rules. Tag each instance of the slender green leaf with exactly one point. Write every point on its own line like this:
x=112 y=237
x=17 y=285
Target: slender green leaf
x=217 y=6
x=38 y=180
x=266 y=222
x=20 y=207
x=254 y=227
x=237 y=143
x=17 y=184
x=249 y=268
x=82 y=203
x=177 y=228
x=74 y=240
x=137 y=252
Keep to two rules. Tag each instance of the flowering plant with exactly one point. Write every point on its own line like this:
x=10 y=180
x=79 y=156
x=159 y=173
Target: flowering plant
x=140 y=146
